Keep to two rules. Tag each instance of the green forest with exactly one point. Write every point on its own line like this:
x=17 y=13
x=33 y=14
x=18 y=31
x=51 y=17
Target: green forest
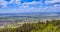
x=48 y=26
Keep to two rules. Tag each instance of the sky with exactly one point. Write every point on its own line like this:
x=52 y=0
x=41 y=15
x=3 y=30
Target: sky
x=24 y=6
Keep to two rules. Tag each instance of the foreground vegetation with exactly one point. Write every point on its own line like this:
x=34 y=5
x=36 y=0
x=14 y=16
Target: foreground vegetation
x=48 y=26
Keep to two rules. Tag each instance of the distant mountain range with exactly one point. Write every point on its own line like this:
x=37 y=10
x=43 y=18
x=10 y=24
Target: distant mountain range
x=25 y=14
x=30 y=13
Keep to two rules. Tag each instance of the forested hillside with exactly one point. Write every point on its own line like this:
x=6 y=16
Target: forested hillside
x=48 y=26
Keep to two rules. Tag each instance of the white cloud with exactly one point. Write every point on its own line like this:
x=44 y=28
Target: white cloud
x=31 y=4
x=18 y=2
x=3 y=4
x=52 y=1
x=34 y=2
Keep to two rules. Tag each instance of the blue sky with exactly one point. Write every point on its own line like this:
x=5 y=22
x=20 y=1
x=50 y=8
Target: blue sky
x=22 y=6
